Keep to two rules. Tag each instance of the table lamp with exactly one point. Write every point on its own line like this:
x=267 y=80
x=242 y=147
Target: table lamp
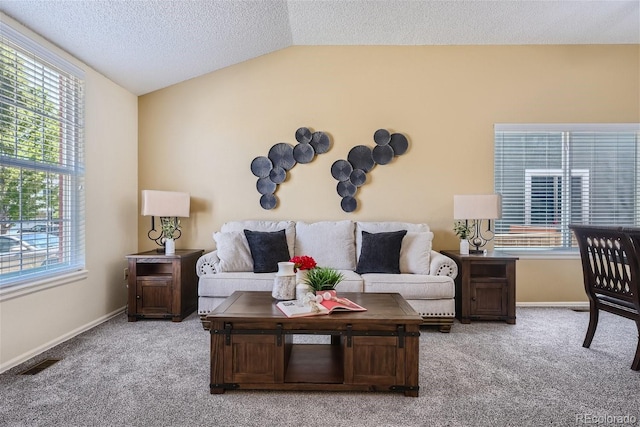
x=476 y=208
x=168 y=206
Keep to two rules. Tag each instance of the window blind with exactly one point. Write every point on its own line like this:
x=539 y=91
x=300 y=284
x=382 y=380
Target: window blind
x=554 y=175
x=41 y=162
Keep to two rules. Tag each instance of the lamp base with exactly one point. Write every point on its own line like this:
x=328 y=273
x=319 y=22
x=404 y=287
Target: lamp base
x=476 y=251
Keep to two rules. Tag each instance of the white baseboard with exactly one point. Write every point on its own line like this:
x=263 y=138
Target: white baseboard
x=568 y=304
x=41 y=349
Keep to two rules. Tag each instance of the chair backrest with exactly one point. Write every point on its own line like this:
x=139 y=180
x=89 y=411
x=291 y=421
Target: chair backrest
x=610 y=263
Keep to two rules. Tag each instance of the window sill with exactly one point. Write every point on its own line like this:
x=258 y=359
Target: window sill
x=550 y=254
x=17 y=291
x=541 y=253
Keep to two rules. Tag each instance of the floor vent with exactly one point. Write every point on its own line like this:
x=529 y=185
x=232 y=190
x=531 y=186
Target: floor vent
x=40 y=367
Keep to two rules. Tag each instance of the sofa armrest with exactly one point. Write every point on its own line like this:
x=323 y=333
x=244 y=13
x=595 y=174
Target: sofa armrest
x=207 y=263
x=442 y=265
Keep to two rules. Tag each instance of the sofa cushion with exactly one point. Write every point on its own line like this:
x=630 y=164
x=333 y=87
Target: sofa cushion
x=411 y=286
x=267 y=249
x=380 y=252
x=288 y=226
x=351 y=282
x=233 y=251
x=329 y=243
x=415 y=254
x=222 y=285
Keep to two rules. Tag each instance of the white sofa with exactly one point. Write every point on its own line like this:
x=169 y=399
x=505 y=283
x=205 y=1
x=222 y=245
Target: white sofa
x=425 y=278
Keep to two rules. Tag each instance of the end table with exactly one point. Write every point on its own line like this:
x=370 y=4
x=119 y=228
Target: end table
x=485 y=286
x=162 y=286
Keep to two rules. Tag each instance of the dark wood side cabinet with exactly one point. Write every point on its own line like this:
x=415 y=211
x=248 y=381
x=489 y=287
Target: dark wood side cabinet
x=163 y=286
x=485 y=286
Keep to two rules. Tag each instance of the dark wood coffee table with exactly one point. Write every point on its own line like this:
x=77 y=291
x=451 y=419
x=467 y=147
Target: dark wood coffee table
x=375 y=350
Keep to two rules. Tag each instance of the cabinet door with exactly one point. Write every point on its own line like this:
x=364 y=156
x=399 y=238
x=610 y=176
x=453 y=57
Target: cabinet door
x=374 y=360
x=154 y=295
x=254 y=359
x=489 y=298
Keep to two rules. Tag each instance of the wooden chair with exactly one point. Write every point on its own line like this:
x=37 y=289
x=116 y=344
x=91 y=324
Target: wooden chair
x=611 y=273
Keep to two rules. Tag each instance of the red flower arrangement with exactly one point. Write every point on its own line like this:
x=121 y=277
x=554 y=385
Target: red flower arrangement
x=303 y=262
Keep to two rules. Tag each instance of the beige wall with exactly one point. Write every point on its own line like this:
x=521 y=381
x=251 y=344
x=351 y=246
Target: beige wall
x=201 y=135
x=32 y=323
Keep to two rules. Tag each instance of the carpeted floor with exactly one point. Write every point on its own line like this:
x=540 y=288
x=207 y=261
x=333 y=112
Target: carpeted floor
x=156 y=373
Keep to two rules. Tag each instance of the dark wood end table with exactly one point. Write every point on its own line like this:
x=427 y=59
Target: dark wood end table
x=162 y=286
x=485 y=286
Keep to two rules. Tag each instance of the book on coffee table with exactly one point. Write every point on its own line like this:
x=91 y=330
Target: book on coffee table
x=328 y=304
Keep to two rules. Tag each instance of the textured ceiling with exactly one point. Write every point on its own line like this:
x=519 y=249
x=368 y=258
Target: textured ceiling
x=145 y=45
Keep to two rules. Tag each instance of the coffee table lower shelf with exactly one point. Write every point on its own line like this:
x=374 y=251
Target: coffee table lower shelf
x=315 y=364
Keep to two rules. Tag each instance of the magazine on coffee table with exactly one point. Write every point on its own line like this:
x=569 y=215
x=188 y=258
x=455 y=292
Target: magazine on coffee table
x=325 y=302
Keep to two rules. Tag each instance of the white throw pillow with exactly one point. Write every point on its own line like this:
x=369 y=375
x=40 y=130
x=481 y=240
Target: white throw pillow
x=415 y=253
x=329 y=243
x=289 y=228
x=233 y=251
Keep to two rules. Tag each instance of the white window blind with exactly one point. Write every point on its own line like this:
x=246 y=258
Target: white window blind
x=41 y=162
x=554 y=175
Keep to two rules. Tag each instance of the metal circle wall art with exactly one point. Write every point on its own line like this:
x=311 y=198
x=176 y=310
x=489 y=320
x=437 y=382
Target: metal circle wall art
x=303 y=135
x=352 y=173
x=399 y=144
x=266 y=185
x=261 y=166
x=361 y=157
x=382 y=137
x=346 y=188
x=382 y=154
x=271 y=170
x=341 y=170
x=281 y=155
x=303 y=153
x=349 y=204
x=278 y=175
x=268 y=201
x=358 y=177
x=320 y=142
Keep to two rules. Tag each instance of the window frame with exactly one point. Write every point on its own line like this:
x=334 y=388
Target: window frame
x=69 y=169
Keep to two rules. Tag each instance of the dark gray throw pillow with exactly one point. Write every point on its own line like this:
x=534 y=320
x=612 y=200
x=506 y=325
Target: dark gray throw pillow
x=267 y=249
x=380 y=252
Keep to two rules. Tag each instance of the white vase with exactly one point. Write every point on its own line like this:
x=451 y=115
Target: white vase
x=169 y=247
x=285 y=269
x=284 y=284
x=301 y=276
x=302 y=289
x=464 y=247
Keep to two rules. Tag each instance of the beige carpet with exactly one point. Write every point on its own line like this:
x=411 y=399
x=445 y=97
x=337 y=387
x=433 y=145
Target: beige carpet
x=156 y=373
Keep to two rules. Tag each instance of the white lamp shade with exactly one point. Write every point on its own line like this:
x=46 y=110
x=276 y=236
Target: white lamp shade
x=477 y=206
x=165 y=203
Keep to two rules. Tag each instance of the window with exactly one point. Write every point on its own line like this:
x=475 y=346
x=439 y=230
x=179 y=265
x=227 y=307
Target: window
x=554 y=175
x=41 y=163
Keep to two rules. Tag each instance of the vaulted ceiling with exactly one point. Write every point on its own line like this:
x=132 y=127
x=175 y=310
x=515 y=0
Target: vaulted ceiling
x=145 y=45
